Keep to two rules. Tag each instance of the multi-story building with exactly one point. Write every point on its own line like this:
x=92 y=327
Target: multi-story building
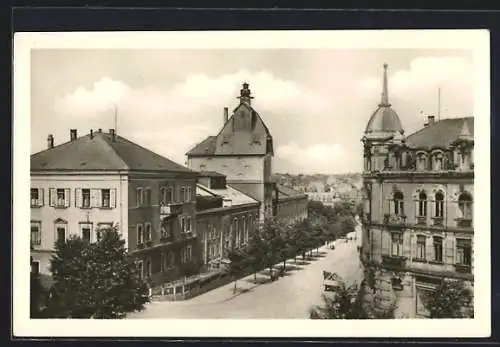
x=226 y=218
x=418 y=196
x=327 y=199
x=86 y=185
x=243 y=152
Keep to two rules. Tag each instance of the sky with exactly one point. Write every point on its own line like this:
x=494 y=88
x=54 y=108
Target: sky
x=315 y=102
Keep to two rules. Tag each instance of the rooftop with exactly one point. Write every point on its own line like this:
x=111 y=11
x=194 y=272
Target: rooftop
x=228 y=193
x=441 y=133
x=101 y=153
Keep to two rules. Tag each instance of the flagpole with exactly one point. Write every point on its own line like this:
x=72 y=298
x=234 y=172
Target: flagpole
x=439 y=104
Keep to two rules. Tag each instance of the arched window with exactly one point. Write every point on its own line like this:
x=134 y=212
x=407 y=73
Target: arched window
x=439 y=205
x=398 y=203
x=422 y=204
x=421 y=162
x=438 y=162
x=465 y=205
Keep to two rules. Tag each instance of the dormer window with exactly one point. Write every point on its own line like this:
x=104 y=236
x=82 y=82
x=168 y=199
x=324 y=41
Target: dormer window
x=421 y=162
x=225 y=139
x=438 y=162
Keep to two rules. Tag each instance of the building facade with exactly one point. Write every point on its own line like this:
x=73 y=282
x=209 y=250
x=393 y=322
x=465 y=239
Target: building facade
x=418 y=203
x=226 y=219
x=243 y=152
x=85 y=186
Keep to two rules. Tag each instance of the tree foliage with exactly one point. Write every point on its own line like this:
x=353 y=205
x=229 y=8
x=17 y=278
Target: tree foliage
x=452 y=299
x=98 y=280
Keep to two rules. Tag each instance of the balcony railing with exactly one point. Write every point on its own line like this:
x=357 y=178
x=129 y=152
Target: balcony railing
x=170 y=209
x=421 y=220
x=437 y=221
x=396 y=261
x=464 y=222
x=462 y=268
x=394 y=219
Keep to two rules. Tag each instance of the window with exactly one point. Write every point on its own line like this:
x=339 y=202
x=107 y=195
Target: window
x=186 y=254
x=420 y=247
x=188 y=225
x=140 y=269
x=140 y=234
x=35 y=267
x=148 y=268
x=166 y=195
x=139 y=197
x=439 y=207
x=147 y=234
x=36 y=237
x=166 y=261
x=85 y=198
x=183 y=194
x=166 y=230
x=86 y=234
x=464 y=249
x=438 y=248
x=188 y=192
x=398 y=203
x=183 y=224
x=61 y=197
x=36 y=197
x=422 y=204
x=465 y=205
x=102 y=228
x=147 y=196
x=105 y=198
x=421 y=162
x=61 y=233
x=397 y=244
x=438 y=163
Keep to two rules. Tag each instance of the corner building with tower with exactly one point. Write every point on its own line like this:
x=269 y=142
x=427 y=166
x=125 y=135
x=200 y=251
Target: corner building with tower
x=418 y=220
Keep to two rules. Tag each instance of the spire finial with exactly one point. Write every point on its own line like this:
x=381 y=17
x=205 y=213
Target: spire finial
x=385 y=90
x=245 y=94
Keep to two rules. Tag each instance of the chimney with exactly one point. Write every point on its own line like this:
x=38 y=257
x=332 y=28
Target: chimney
x=226 y=115
x=50 y=141
x=72 y=134
x=430 y=120
x=91 y=134
x=113 y=134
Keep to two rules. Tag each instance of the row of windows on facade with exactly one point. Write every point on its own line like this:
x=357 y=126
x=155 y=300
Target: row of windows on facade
x=86 y=232
x=144 y=229
x=167 y=195
x=84 y=198
x=463 y=249
x=241 y=231
x=167 y=261
x=464 y=204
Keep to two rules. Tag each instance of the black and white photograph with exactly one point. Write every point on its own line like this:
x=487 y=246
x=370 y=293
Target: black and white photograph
x=280 y=179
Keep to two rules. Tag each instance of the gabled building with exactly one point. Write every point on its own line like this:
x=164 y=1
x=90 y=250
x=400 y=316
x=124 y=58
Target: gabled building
x=243 y=152
x=86 y=185
x=418 y=202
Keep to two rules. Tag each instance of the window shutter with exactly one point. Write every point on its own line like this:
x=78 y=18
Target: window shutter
x=78 y=197
x=429 y=248
x=406 y=245
x=40 y=197
x=52 y=197
x=449 y=250
x=112 y=197
x=67 y=197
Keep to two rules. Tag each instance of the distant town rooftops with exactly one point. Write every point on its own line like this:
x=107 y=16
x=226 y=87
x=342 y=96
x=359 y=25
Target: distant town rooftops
x=100 y=151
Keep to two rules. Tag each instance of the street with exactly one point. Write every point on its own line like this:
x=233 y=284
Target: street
x=290 y=296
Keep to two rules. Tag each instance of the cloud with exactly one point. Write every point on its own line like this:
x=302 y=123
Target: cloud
x=172 y=120
x=314 y=130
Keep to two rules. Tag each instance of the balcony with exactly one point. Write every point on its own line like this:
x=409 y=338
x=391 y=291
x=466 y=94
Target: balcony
x=166 y=238
x=421 y=220
x=437 y=221
x=394 y=219
x=394 y=261
x=464 y=222
x=462 y=268
x=170 y=210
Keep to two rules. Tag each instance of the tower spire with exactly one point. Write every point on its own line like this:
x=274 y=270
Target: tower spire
x=385 y=90
x=245 y=94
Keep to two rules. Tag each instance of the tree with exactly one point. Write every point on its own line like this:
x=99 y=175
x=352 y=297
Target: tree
x=452 y=299
x=341 y=304
x=37 y=297
x=256 y=253
x=238 y=264
x=272 y=236
x=97 y=280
